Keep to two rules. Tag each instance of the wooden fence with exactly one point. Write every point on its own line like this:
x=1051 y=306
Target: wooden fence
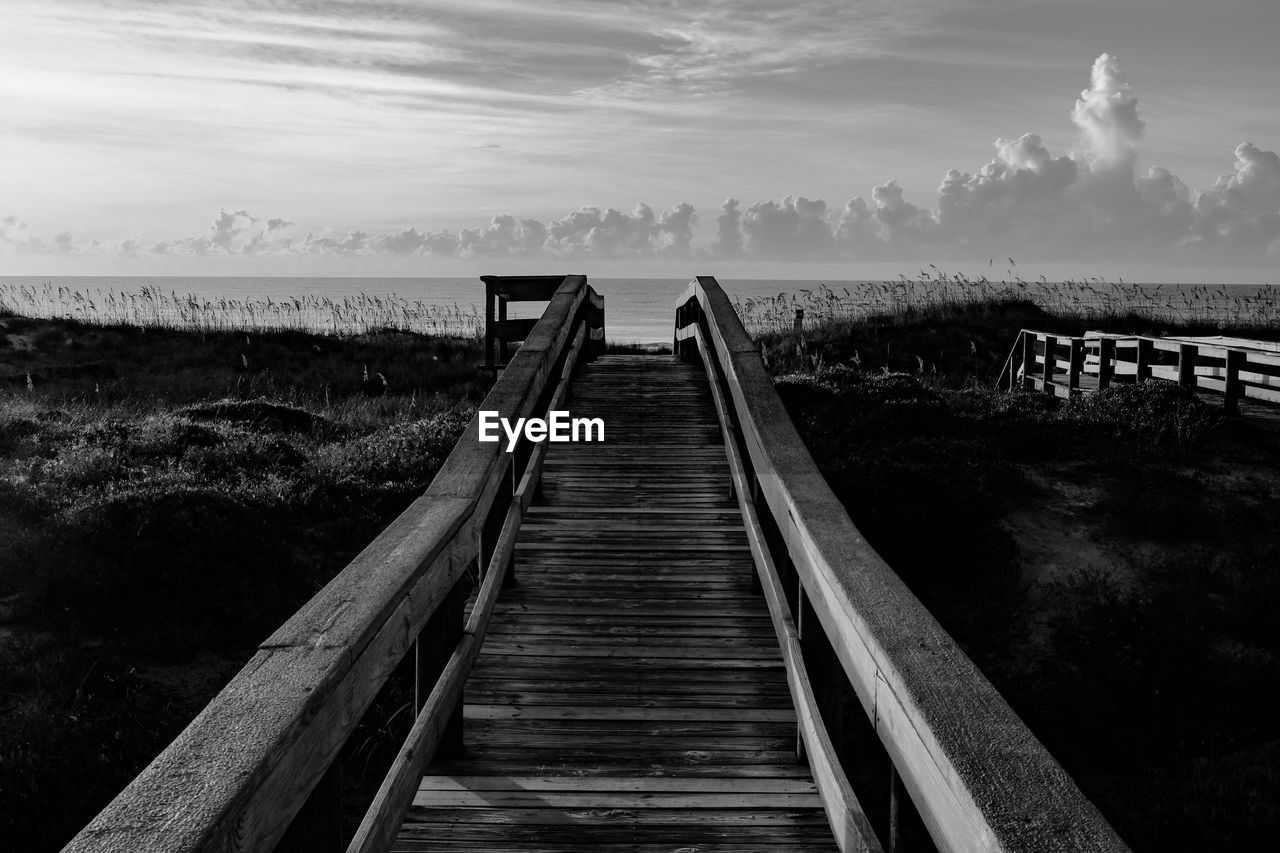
x=978 y=778
x=1063 y=365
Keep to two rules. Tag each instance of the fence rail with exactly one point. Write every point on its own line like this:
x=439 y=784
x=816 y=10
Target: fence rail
x=978 y=778
x=259 y=769
x=1064 y=365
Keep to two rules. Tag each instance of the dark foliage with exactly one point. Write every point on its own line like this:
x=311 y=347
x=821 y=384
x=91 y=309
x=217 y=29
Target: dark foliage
x=1152 y=681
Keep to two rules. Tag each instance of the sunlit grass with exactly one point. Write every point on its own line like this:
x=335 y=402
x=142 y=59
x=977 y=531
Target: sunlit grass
x=1093 y=297
x=150 y=307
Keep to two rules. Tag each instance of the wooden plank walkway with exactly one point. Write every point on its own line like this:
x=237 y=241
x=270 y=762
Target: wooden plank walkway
x=630 y=695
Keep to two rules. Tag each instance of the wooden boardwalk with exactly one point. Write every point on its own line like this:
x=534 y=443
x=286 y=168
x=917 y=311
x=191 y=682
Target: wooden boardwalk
x=643 y=685
x=630 y=694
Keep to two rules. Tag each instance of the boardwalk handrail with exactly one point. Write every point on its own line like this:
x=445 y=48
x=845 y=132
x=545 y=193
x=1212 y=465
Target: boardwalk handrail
x=1232 y=367
x=978 y=777
x=849 y=824
x=238 y=775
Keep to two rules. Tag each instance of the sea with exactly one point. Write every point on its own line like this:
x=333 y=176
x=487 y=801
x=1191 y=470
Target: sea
x=641 y=310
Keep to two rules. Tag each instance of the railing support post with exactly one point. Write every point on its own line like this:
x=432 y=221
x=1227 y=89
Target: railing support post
x=439 y=637
x=595 y=320
x=1232 y=390
x=1187 y=354
x=502 y=342
x=1050 y=362
x=757 y=501
x=490 y=291
x=802 y=605
x=317 y=827
x=1075 y=364
x=1106 y=362
x=1146 y=351
x=1028 y=360
x=894 y=785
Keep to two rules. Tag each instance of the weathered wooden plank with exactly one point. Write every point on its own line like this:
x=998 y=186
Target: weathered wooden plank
x=625 y=712
x=618 y=784
x=618 y=841
x=788 y=769
x=716 y=695
x=683 y=800
x=630 y=817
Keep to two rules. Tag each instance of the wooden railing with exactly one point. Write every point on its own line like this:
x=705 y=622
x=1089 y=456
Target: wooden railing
x=258 y=769
x=499 y=330
x=1064 y=365
x=977 y=777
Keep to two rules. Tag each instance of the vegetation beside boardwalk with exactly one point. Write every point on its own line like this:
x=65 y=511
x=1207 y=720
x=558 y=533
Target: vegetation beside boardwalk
x=167 y=499
x=1108 y=561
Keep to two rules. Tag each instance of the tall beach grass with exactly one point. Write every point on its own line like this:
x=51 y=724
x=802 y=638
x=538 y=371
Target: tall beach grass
x=1095 y=297
x=150 y=307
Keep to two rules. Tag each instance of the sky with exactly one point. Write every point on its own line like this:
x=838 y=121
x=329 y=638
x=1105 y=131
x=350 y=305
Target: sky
x=840 y=138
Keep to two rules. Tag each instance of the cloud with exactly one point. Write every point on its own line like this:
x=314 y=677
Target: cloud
x=728 y=242
x=14 y=238
x=795 y=228
x=1027 y=201
x=1107 y=112
x=592 y=232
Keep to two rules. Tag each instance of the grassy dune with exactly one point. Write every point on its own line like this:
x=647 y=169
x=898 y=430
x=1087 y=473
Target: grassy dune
x=167 y=499
x=1108 y=561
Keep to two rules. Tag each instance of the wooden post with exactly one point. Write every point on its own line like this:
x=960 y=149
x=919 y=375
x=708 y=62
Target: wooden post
x=802 y=605
x=1233 y=390
x=1106 y=362
x=1028 y=359
x=797 y=325
x=1146 y=351
x=762 y=511
x=894 y=785
x=1075 y=364
x=1187 y=357
x=1050 y=361
x=596 y=348
x=491 y=530
x=318 y=824
x=439 y=637
x=502 y=342
x=490 y=294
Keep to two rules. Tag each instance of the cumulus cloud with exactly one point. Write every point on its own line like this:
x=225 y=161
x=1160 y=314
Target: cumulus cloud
x=1107 y=112
x=794 y=228
x=592 y=232
x=1095 y=201
x=14 y=237
x=728 y=242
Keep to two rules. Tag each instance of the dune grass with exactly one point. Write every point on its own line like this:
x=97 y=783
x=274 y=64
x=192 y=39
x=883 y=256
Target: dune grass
x=167 y=499
x=1086 y=300
x=152 y=308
